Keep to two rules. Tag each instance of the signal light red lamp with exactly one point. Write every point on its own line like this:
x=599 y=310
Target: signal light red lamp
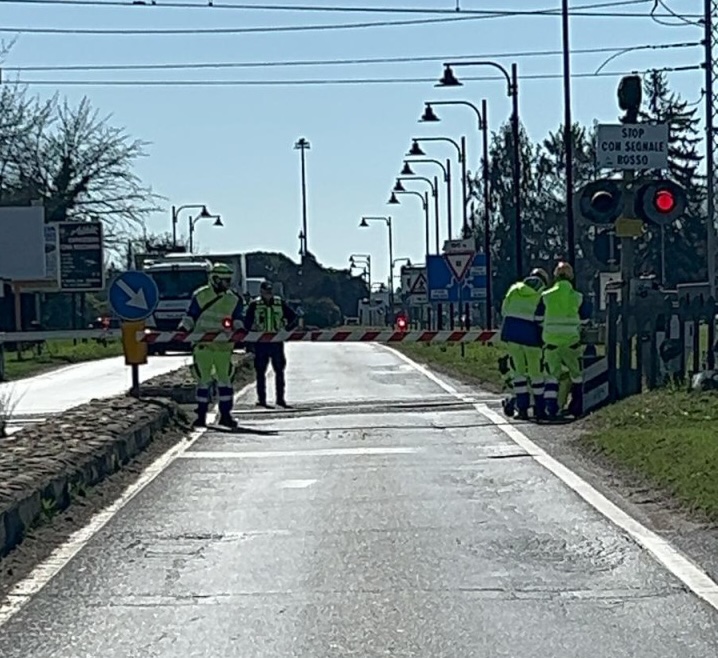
x=227 y=323
x=665 y=201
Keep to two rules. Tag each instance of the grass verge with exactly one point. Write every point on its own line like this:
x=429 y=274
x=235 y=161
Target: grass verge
x=478 y=365
x=57 y=353
x=667 y=437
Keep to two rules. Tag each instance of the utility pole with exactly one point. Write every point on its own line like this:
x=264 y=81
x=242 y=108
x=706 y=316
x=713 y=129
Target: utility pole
x=303 y=145
x=710 y=39
x=568 y=135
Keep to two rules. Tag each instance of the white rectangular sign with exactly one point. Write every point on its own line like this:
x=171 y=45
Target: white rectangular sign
x=632 y=146
x=459 y=246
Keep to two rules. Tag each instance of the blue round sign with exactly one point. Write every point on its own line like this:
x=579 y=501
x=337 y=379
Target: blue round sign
x=133 y=295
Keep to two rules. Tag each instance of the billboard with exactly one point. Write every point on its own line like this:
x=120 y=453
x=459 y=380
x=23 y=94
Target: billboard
x=22 y=243
x=81 y=256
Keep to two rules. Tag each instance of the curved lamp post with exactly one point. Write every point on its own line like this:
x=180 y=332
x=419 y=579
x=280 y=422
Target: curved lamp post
x=434 y=186
x=448 y=79
x=482 y=115
x=192 y=222
x=416 y=150
x=387 y=220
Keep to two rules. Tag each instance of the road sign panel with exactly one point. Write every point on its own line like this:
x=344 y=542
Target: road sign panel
x=82 y=259
x=444 y=287
x=459 y=263
x=133 y=295
x=419 y=286
x=459 y=246
x=632 y=146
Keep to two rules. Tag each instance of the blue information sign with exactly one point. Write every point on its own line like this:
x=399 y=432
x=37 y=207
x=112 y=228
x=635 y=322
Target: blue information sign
x=446 y=283
x=133 y=296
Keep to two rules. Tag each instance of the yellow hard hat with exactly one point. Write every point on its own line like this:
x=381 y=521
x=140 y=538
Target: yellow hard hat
x=540 y=273
x=563 y=271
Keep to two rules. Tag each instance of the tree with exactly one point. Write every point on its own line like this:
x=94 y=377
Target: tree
x=502 y=212
x=83 y=168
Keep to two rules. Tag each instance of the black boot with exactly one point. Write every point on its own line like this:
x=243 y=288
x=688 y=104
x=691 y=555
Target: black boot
x=575 y=407
x=225 y=420
x=201 y=420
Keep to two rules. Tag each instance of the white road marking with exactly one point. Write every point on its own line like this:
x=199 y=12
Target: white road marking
x=44 y=572
x=296 y=484
x=319 y=452
x=682 y=567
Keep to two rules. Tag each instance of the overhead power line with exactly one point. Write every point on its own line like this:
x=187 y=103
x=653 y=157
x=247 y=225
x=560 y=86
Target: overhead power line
x=330 y=81
x=305 y=28
x=139 y=5
x=344 y=62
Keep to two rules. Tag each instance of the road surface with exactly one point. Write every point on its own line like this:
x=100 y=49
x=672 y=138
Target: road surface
x=383 y=517
x=54 y=391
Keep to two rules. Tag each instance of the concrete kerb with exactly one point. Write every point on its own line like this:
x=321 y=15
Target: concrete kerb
x=33 y=496
x=45 y=465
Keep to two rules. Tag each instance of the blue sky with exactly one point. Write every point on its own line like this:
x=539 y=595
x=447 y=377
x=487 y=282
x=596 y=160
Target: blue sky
x=231 y=147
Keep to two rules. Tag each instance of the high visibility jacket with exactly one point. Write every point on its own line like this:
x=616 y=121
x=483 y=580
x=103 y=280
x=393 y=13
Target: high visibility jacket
x=563 y=311
x=209 y=311
x=269 y=317
x=518 y=309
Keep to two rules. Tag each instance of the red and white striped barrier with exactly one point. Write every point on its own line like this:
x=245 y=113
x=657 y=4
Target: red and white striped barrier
x=329 y=336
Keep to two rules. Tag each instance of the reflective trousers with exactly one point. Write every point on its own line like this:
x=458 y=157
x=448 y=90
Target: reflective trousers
x=213 y=364
x=555 y=358
x=526 y=370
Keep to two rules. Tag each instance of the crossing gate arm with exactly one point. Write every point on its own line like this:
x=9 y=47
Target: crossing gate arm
x=330 y=336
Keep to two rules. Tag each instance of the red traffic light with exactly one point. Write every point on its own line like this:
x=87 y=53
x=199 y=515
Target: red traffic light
x=660 y=202
x=227 y=323
x=664 y=201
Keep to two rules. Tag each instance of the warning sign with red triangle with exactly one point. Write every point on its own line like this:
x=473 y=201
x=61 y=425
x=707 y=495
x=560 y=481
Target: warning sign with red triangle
x=460 y=263
x=419 y=286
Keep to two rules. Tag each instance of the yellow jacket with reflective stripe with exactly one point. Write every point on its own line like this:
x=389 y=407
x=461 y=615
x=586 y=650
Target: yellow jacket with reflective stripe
x=561 y=318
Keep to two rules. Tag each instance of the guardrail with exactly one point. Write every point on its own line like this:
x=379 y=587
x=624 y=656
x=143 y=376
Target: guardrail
x=64 y=334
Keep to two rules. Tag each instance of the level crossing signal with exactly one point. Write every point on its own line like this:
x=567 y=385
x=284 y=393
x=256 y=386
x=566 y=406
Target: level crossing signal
x=603 y=201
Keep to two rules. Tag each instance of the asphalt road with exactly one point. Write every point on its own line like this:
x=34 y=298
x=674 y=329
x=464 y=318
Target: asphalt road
x=38 y=397
x=381 y=518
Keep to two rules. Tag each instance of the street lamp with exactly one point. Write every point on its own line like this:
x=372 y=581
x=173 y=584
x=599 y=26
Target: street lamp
x=446 y=169
x=482 y=115
x=416 y=150
x=303 y=145
x=398 y=187
x=192 y=222
x=175 y=217
x=449 y=80
x=393 y=201
x=365 y=260
x=387 y=220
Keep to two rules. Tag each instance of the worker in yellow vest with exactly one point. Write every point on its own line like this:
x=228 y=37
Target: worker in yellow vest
x=214 y=307
x=521 y=336
x=563 y=310
x=269 y=313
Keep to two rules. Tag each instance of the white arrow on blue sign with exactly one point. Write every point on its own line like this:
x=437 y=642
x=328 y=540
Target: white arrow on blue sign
x=133 y=296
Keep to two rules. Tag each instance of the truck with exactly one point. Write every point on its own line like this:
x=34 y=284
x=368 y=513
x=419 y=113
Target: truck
x=177 y=276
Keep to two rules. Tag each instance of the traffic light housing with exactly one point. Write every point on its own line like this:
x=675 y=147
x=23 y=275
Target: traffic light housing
x=660 y=202
x=599 y=202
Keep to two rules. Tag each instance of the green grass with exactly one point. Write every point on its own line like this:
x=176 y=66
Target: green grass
x=668 y=437
x=56 y=353
x=478 y=365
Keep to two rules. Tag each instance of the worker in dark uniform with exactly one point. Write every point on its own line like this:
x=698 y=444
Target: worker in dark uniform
x=269 y=313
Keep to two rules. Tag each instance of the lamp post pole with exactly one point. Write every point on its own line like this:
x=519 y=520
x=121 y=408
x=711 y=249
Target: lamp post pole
x=303 y=145
x=450 y=80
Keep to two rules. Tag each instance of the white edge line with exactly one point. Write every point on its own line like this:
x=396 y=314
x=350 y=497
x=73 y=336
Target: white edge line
x=681 y=566
x=44 y=572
